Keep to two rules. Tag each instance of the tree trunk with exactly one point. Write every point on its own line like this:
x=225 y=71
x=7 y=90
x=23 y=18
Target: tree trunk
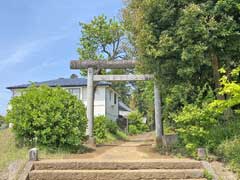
x=216 y=74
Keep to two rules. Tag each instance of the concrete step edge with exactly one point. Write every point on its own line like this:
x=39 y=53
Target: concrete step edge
x=116 y=174
x=121 y=170
x=78 y=165
x=117 y=160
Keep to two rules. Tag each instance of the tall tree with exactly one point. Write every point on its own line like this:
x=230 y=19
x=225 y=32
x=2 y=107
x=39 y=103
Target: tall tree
x=104 y=39
x=185 y=40
x=184 y=43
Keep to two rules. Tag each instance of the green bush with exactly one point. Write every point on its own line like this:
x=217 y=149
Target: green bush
x=106 y=130
x=121 y=135
x=133 y=130
x=100 y=128
x=207 y=175
x=193 y=127
x=223 y=131
x=47 y=116
x=2 y=120
x=208 y=122
x=112 y=126
x=229 y=150
x=136 y=124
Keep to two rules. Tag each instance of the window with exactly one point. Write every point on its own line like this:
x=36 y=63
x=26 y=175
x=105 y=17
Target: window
x=75 y=91
x=115 y=98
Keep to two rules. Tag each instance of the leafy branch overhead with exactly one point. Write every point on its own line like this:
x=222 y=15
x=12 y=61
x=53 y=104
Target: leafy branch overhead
x=185 y=40
x=102 y=38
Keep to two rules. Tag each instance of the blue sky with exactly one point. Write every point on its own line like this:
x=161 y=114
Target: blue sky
x=39 y=38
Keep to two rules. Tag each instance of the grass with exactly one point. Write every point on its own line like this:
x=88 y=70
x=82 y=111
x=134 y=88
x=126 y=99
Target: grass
x=207 y=175
x=9 y=152
x=59 y=153
x=110 y=137
x=114 y=137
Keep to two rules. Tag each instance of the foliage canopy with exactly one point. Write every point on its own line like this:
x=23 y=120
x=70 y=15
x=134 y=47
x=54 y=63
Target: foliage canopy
x=184 y=43
x=104 y=39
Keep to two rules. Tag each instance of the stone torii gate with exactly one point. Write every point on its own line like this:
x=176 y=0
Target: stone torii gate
x=91 y=78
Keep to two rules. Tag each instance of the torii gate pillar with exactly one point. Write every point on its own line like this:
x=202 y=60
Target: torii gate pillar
x=158 y=114
x=90 y=106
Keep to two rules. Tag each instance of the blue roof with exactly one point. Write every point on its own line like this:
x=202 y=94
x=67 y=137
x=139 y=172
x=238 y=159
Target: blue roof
x=62 y=82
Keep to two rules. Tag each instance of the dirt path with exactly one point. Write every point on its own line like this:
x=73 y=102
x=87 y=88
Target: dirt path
x=130 y=149
x=138 y=147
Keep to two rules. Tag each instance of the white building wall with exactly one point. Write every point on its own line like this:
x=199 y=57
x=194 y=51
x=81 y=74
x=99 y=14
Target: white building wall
x=111 y=104
x=16 y=92
x=99 y=100
x=104 y=103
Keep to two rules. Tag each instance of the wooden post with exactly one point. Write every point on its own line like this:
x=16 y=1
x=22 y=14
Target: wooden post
x=158 y=115
x=90 y=106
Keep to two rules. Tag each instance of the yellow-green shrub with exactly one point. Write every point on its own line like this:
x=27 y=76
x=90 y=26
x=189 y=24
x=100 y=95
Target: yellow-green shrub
x=193 y=127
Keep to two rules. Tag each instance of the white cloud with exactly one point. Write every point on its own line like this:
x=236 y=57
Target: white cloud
x=21 y=53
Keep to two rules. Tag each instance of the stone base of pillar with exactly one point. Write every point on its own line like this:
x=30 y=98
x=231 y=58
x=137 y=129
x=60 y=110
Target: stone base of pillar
x=91 y=143
x=159 y=141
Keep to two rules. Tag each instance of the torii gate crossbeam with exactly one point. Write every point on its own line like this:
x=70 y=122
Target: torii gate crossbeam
x=101 y=64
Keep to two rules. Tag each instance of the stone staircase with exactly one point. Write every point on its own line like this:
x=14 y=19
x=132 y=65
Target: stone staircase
x=150 y=169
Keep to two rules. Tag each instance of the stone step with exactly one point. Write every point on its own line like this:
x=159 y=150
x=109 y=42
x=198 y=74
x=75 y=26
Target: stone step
x=116 y=165
x=141 y=174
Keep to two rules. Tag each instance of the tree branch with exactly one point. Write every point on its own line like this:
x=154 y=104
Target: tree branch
x=105 y=51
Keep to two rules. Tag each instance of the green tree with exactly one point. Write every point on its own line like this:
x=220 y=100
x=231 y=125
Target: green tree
x=185 y=38
x=2 y=120
x=104 y=39
x=231 y=89
x=184 y=43
x=142 y=99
